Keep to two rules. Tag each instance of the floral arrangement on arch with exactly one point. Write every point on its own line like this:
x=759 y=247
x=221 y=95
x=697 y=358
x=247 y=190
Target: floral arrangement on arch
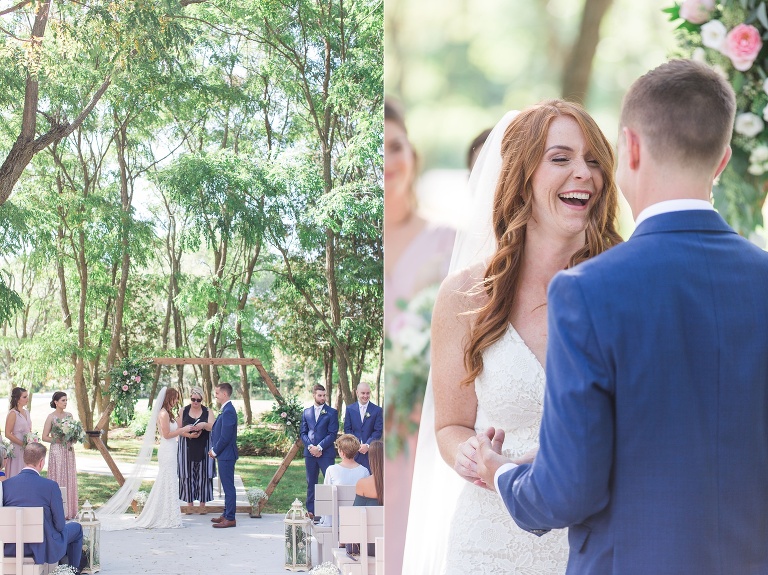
x=288 y=414
x=728 y=35
x=128 y=380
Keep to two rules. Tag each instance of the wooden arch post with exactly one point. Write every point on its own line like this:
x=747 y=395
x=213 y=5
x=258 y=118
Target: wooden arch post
x=95 y=434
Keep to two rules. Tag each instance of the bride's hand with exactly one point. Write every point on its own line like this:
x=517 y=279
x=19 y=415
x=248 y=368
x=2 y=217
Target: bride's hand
x=465 y=464
x=527 y=457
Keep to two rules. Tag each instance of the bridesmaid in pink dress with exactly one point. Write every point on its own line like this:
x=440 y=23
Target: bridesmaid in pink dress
x=61 y=460
x=17 y=425
x=418 y=255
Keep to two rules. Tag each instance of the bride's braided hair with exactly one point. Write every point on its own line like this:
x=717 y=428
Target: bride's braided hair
x=522 y=150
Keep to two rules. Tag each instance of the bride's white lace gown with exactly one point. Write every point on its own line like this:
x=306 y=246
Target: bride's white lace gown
x=483 y=537
x=162 y=511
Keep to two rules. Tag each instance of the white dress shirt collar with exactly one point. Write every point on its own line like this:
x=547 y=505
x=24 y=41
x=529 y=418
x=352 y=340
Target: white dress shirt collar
x=672 y=206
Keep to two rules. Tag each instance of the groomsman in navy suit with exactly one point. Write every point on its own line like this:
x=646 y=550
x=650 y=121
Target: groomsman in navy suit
x=29 y=489
x=319 y=427
x=224 y=449
x=365 y=421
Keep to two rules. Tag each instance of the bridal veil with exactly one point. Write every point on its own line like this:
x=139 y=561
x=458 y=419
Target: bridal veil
x=436 y=486
x=112 y=514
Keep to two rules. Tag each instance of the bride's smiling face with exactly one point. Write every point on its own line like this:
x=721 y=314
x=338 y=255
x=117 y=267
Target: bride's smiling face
x=566 y=182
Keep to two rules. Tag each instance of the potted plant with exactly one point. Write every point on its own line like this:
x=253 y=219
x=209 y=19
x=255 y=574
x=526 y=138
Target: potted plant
x=255 y=496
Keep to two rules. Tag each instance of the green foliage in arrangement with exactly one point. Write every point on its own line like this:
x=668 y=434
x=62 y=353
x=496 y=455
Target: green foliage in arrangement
x=288 y=415
x=128 y=380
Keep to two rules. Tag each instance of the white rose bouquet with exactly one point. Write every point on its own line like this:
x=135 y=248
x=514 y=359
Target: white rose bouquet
x=67 y=430
x=31 y=437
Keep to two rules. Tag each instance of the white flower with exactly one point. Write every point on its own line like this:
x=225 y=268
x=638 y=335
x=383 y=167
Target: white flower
x=699 y=55
x=765 y=85
x=713 y=35
x=720 y=71
x=748 y=124
x=756 y=169
x=760 y=154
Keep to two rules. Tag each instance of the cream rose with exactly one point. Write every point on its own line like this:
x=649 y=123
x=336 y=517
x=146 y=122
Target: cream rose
x=748 y=124
x=742 y=45
x=697 y=11
x=713 y=35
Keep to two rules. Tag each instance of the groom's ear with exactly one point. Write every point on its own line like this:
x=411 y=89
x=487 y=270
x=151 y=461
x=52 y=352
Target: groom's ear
x=724 y=161
x=632 y=143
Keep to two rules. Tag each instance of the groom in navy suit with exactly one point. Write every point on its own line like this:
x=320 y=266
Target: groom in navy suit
x=654 y=439
x=224 y=449
x=365 y=421
x=319 y=426
x=29 y=489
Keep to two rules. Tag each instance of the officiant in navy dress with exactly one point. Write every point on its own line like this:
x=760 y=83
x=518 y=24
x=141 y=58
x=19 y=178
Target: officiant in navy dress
x=319 y=427
x=365 y=421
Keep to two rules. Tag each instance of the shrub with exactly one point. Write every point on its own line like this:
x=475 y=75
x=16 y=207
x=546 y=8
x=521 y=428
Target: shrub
x=263 y=441
x=139 y=424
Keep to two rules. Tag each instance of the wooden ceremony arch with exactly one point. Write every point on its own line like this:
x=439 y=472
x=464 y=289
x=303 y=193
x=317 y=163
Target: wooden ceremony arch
x=95 y=434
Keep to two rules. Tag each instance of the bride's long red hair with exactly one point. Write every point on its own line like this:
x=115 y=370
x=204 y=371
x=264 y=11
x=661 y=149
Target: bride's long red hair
x=170 y=402
x=521 y=151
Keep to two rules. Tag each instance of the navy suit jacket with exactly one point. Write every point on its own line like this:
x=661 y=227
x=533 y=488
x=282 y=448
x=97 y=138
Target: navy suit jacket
x=322 y=433
x=224 y=434
x=654 y=439
x=368 y=430
x=28 y=489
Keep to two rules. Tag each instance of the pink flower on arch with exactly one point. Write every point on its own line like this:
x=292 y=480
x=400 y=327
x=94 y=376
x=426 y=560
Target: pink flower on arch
x=742 y=45
x=138 y=378
x=125 y=373
x=125 y=388
x=283 y=414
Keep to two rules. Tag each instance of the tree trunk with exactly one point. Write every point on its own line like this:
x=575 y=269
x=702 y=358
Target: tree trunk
x=578 y=66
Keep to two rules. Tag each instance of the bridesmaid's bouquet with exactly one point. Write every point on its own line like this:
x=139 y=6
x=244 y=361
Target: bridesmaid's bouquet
x=67 y=430
x=8 y=448
x=31 y=437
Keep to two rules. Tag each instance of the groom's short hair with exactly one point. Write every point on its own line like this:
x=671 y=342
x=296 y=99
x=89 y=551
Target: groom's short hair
x=226 y=388
x=34 y=453
x=684 y=109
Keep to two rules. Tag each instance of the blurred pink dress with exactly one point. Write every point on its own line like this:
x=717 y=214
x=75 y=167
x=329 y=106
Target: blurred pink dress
x=21 y=427
x=62 y=469
x=423 y=264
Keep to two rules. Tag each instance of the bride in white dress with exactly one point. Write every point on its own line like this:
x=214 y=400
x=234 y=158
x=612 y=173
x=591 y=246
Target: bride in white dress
x=549 y=173
x=162 y=509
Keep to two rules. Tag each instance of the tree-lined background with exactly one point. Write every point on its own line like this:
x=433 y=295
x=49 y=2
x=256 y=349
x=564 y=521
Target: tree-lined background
x=194 y=178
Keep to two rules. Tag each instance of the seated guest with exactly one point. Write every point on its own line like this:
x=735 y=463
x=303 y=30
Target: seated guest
x=370 y=490
x=29 y=489
x=349 y=471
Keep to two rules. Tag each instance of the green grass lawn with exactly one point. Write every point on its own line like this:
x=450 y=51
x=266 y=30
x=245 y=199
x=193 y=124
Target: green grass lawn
x=254 y=471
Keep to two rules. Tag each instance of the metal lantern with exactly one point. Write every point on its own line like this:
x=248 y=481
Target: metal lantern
x=91 y=542
x=298 y=542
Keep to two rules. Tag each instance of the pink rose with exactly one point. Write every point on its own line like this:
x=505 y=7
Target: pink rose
x=697 y=11
x=125 y=388
x=138 y=378
x=283 y=414
x=125 y=373
x=742 y=45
